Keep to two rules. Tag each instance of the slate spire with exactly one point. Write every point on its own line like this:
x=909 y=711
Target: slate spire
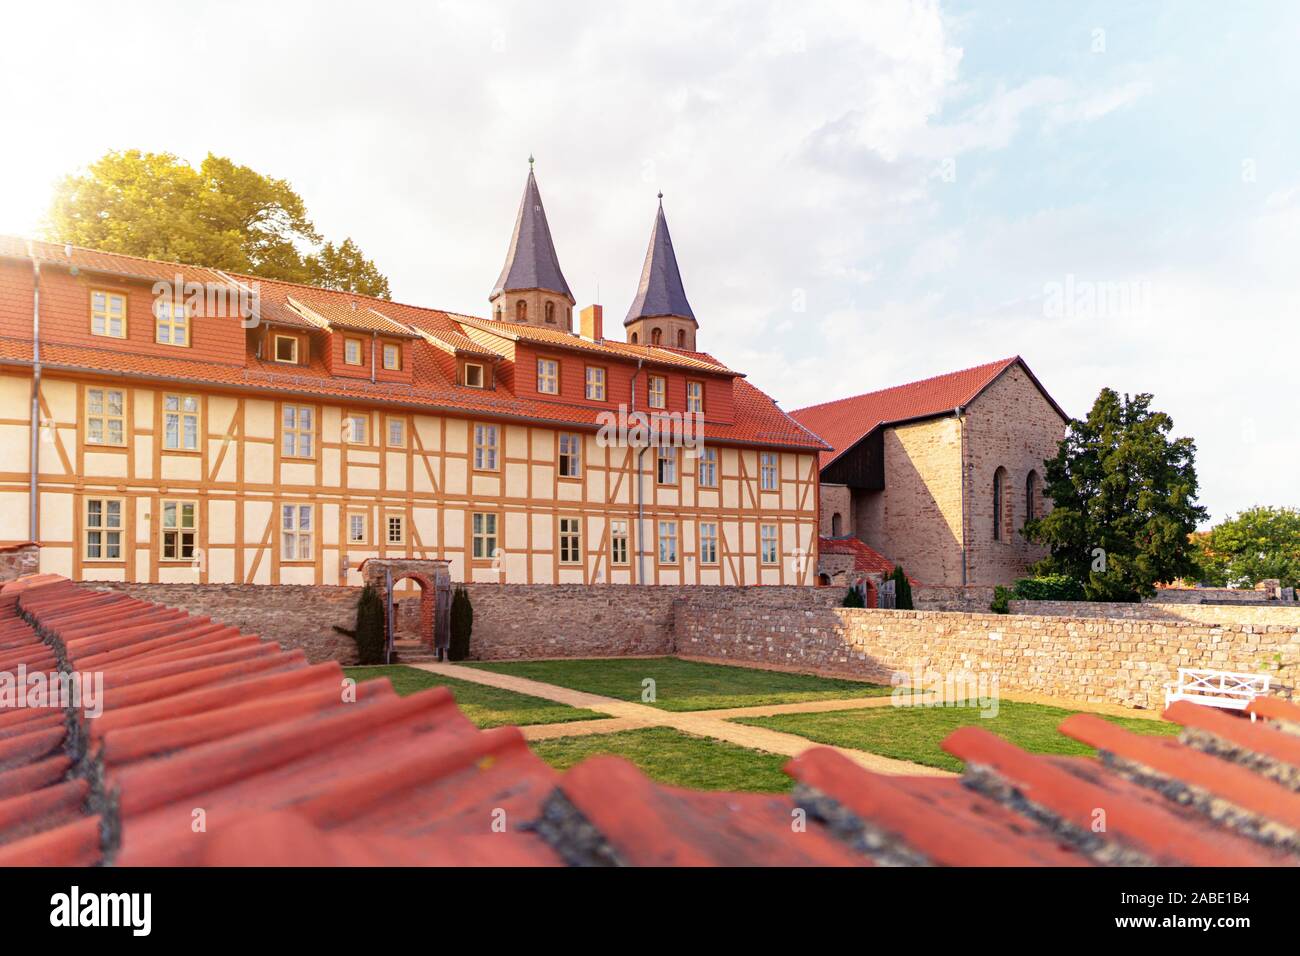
x=660 y=292
x=531 y=262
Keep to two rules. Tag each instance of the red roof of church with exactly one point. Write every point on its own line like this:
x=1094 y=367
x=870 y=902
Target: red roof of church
x=287 y=771
x=846 y=421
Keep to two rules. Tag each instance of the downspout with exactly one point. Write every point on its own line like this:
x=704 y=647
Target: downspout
x=640 y=498
x=34 y=508
x=374 y=340
x=961 y=430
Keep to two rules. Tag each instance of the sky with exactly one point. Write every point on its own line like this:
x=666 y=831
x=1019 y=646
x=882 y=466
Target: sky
x=860 y=194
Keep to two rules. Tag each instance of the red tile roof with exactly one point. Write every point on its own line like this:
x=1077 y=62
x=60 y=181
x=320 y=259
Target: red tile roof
x=865 y=558
x=203 y=724
x=438 y=335
x=846 y=421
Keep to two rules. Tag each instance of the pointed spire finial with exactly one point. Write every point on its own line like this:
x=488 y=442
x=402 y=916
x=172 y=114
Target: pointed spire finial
x=530 y=161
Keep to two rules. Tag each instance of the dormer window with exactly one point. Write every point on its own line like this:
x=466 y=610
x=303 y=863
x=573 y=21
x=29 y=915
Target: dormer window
x=352 y=351
x=473 y=375
x=392 y=357
x=173 y=326
x=286 y=349
x=695 y=397
x=108 y=314
x=548 y=376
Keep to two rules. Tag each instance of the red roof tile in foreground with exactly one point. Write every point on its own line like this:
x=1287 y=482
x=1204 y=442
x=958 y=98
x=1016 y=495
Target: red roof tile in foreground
x=846 y=421
x=217 y=748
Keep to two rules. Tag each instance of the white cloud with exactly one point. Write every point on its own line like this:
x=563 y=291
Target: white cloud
x=799 y=147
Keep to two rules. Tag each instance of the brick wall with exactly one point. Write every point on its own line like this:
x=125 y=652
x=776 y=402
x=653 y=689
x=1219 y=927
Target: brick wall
x=1084 y=659
x=1259 y=615
x=1124 y=662
x=1012 y=426
x=19 y=559
x=835 y=499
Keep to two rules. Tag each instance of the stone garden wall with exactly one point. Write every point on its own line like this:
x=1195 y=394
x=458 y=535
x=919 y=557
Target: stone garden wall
x=1093 y=655
x=1099 y=660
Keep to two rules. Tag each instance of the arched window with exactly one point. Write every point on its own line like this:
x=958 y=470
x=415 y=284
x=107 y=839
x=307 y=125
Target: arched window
x=836 y=523
x=681 y=338
x=500 y=312
x=521 y=311
x=1031 y=495
x=634 y=338
x=550 y=312
x=999 y=489
x=655 y=336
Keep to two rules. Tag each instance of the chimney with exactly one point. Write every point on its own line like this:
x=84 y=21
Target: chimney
x=591 y=322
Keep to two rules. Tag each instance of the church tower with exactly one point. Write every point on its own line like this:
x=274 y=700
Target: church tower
x=660 y=314
x=531 y=289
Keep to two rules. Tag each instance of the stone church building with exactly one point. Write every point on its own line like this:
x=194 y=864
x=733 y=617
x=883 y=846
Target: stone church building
x=938 y=475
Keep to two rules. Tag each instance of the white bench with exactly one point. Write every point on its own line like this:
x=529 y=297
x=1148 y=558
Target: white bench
x=1217 y=688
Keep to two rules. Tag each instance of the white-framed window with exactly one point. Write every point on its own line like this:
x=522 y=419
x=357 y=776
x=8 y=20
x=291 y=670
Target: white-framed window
x=395 y=532
x=548 y=376
x=474 y=375
x=286 y=349
x=298 y=431
x=181 y=422
x=483 y=533
x=570 y=455
x=667 y=542
x=103 y=529
x=180 y=529
x=358 y=533
x=485 y=447
x=770 y=551
x=352 y=351
x=108 y=314
x=296 y=528
x=356 y=428
x=392 y=357
x=708 y=542
x=657 y=391
x=105 y=416
x=695 y=397
x=706 y=469
x=768 y=471
x=396 y=433
x=666 y=465
x=570 y=540
x=618 y=542
x=595 y=383
x=173 y=322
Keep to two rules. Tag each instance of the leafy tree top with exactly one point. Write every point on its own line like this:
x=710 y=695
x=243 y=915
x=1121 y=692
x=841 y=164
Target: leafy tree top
x=1255 y=545
x=221 y=215
x=1124 y=501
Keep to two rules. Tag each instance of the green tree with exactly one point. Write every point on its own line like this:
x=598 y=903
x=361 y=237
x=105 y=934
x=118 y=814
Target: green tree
x=902 y=589
x=370 y=634
x=462 y=624
x=1124 y=497
x=221 y=215
x=1257 y=544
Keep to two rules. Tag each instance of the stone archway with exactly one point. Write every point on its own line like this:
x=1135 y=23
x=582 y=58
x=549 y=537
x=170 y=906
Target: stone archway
x=434 y=580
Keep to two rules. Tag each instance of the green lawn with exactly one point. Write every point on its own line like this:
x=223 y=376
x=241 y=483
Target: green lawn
x=485 y=706
x=674 y=758
x=685 y=685
x=914 y=733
